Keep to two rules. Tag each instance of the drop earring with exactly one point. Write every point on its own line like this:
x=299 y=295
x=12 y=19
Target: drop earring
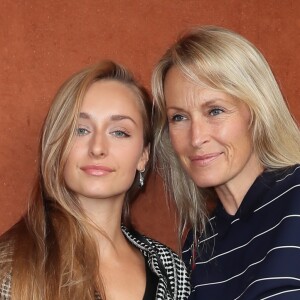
x=141 y=178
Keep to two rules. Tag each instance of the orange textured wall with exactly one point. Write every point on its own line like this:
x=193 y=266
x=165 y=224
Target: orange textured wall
x=43 y=41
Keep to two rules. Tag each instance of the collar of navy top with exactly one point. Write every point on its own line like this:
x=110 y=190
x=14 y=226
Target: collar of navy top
x=262 y=185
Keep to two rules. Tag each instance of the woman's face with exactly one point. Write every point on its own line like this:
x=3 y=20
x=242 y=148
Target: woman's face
x=108 y=144
x=210 y=132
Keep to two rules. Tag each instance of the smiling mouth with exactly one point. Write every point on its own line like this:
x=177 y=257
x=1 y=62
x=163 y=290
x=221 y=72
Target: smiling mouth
x=95 y=170
x=204 y=160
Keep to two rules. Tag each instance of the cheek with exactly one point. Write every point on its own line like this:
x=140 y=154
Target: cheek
x=130 y=154
x=68 y=169
x=178 y=140
x=173 y=140
x=71 y=163
x=71 y=160
x=240 y=141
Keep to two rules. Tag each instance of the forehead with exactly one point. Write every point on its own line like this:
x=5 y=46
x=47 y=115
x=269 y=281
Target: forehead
x=111 y=93
x=111 y=100
x=178 y=85
x=173 y=75
x=182 y=92
x=178 y=88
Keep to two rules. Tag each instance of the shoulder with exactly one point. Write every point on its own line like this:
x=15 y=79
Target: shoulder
x=5 y=288
x=162 y=249
x=287 y=184
x=169 y=259
x=287 y=176
x=276 y=187
x=6 y=253
x=187 y=250
x=152 y=247
x=164 y=262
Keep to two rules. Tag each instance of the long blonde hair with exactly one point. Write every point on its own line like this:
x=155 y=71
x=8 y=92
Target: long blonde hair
x=51 y=252
x=222 y=60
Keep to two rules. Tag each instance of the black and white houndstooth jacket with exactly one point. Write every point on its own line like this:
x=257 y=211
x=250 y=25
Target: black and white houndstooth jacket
x=173 y=283
x=173 y=280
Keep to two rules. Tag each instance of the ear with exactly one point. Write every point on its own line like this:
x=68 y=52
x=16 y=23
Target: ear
x=144 y=158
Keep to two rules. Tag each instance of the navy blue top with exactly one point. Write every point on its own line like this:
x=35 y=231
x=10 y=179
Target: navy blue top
x=254 y=254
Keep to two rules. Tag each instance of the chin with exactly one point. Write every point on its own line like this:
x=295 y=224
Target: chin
x=205 y=182
x=205 y=185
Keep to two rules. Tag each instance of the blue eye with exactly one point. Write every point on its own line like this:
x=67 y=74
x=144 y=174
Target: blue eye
x=215 y=111
x=81 y=131
x=177 y=118
x=120 y=134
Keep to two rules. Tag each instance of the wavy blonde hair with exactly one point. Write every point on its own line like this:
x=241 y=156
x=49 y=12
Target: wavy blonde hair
x=51 y=252
x=222 y=60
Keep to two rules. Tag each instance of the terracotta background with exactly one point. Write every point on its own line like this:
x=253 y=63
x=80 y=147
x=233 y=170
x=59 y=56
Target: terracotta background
x=42 y=42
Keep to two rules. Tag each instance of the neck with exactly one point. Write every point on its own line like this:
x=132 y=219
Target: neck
x=232 y=193
x=106 y=215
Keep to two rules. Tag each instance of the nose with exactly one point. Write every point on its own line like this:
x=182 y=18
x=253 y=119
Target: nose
x=199 y=132
x=98 y=145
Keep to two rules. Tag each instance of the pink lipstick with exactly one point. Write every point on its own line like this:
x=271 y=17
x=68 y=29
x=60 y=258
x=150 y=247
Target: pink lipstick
x=206 y=159
x=96 y=170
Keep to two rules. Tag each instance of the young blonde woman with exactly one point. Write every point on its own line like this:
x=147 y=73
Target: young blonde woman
x=75 y=241
x=224 y=133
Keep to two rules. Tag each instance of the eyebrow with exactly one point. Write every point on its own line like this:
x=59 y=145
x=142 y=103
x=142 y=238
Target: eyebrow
x=83 y=115
x=87 y=116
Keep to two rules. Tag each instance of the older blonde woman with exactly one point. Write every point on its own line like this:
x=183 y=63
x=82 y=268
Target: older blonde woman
x=224 y=132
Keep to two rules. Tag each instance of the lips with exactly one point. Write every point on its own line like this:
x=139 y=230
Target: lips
x=206 y=159
x=96 y=170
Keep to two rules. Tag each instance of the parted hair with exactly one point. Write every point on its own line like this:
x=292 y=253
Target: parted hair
x=222 y=60
x=51 y=252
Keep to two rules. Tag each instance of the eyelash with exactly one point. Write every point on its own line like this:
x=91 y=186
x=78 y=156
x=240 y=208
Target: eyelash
x=123 y=134
x=80 y=133
x=117 y=133
x=213 y=111
x=174 y=118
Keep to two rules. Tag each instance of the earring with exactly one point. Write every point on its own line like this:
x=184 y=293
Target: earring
x=141 y=178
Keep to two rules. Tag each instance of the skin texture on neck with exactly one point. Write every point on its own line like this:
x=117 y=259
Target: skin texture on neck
x=117 y=255
x=232 y=194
